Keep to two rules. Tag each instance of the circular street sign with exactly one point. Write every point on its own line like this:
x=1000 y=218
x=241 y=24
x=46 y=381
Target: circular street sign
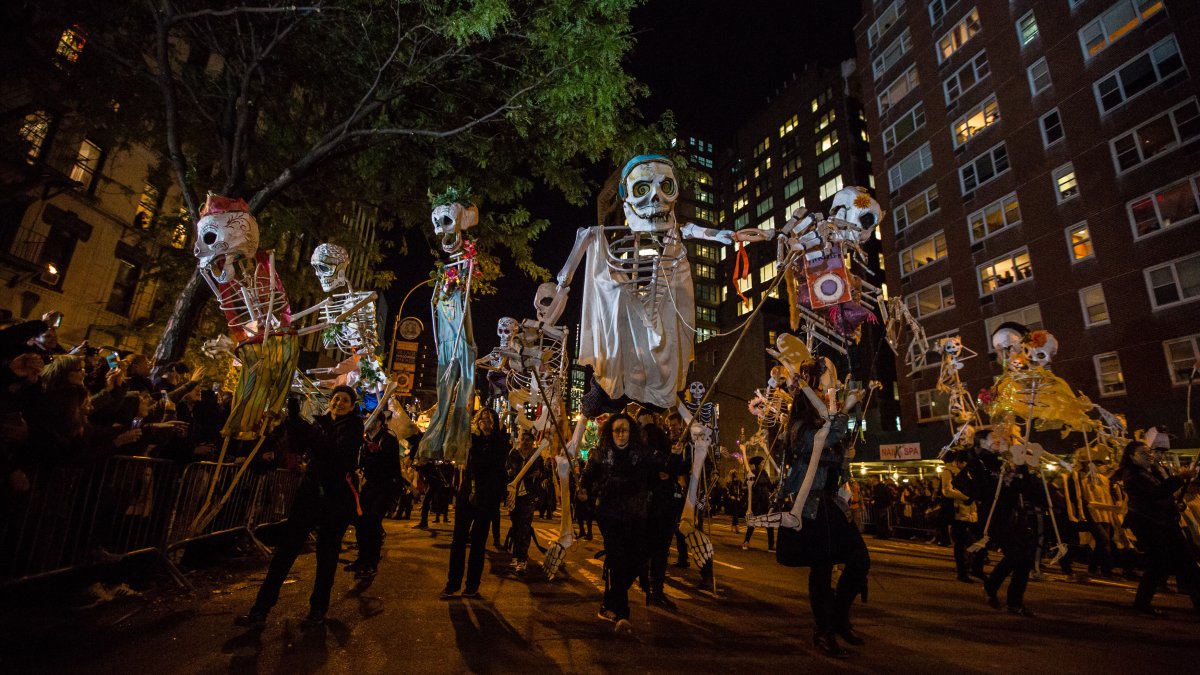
x=410 y=328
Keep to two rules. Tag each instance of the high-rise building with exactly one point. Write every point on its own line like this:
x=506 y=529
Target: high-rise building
x=1041 y=164
x=807 y=142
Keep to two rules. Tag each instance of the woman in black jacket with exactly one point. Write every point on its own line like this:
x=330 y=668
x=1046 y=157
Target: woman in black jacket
x=325 y=500
x=480 y=492
x=617 y=480
x=1154 y=519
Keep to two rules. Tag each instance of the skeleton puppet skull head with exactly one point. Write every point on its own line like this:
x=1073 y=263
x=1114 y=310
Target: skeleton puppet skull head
x=1006 y=340
x=855 y=205
x=648 y=191
x=549 y=303
x=330 y=261
x=225 y=234
x=951 y=347
x=506 y=328
x=449 y=223
x=1040 y=348
x=697 y=390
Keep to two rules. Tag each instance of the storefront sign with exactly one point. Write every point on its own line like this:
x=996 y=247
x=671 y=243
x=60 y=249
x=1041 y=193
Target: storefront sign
x=898 y=452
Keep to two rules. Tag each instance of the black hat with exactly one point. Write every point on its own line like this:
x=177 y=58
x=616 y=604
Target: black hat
x=14 y=338
x=755 y=461
x=349 y=391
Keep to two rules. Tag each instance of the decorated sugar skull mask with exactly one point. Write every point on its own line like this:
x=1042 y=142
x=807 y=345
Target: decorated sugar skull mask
x=330 y=261
x=1040 y=348
x=225 y=234
x=649 y=191
x=450 y=221
x=506 y=328
x=697 y=390
x=856 y=206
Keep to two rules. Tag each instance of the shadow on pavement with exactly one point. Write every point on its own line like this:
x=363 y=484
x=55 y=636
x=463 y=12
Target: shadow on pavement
x=487 y=642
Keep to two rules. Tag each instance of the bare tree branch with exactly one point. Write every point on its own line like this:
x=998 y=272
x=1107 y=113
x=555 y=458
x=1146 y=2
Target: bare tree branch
x=166 y=82
x=188 y=16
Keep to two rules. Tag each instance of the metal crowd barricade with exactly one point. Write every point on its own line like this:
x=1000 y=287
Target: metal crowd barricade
x=273 y=499
x=194 y=487
x=47 y=528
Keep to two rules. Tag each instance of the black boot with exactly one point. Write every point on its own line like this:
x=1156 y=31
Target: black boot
x=255 y=619
x=828 y=644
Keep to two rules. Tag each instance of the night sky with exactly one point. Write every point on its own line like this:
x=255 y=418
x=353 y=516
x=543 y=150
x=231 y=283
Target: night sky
x=713 y=63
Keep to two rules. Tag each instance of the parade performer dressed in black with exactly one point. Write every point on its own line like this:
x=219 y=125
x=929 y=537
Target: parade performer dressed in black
x=482 y=487
x=520 y=533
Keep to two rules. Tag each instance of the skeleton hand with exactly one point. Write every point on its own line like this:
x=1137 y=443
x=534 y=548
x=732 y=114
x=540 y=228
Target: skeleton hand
x=751 y=235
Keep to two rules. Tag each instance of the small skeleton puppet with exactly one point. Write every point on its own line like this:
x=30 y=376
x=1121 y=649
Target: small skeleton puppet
x=535 y=365
x=495 y=362
x=960 y=403
x=700 y=548
x=638 y=300
x=816 y=260
x=896 y=318
x=448 y=436
x=353 y=327
x=770 y=406
x=706 y=415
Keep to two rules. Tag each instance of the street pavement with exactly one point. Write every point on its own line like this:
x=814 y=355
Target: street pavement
x=918 y=619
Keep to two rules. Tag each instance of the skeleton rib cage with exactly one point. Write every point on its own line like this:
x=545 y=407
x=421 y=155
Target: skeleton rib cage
x=356 y=333
x=641 y=264
x=252 y=299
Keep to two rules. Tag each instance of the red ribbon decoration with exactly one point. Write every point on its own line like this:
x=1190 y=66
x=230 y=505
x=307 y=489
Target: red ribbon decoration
x=741 y=269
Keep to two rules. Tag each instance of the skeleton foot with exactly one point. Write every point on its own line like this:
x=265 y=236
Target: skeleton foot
x=980 y=545
x=1059 y=551
x=700 y=548
x=556 y=554
x=774 y=520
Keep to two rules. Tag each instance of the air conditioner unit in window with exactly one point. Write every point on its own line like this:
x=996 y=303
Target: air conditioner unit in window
x=987 y=300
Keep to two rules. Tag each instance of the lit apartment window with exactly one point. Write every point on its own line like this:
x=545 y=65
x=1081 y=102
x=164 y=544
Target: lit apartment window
x=1182 y=355
x=147 y=207
x=1009 y=269
x=741 y=203
x=938 y=9
x=792 y=166
x=827 y=142
x=1027 y=28
x=1039 y=76
x=789 y=126
x=984 y=169
x=706 y=314
x=1165 y=207
x=120 y=299
x=1108 y=374
x=824 y=121
x=932 y=405
x=828 y=164
x=767 y=223
x=976 y=120
x=822 y=99
x=762 y=147
x=703 y=333
x=1052 y=128
x=1115 y=23
x=925 y=252
x=890 y=55
x=830 y=188
x=1174 y=282
x=741 y=221
x=1079 y=242
x=965 y=78
x=1000 y=214
x=794 y=207
x=746 y=307
x=71 y=44
x=766 y=273
x=916 y=209
x=910 y=167
x=1157 y=136
x=956 y=37
x=707 y=293
x=906 y=126
x=1065 y=184
x=1095 y=309
x=793 y=187
x=87 y=161
x=34 y=130
x=886 y=20
x=897 y=90
x=931 y=300
x=705 y=271
x=764 y=206
x=1139 y=74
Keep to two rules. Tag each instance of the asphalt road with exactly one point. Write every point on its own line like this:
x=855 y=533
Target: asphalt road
x=919 y=619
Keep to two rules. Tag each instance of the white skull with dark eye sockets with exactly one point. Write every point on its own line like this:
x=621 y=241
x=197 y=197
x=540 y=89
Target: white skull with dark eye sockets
x=697 y=390
x=1041 y=348
x=450 y=221
x=549 y=302
x=1006 y=340
x=330 y=261
x=855 y=206
x=506 y=328
x=951 y=346
x=650 y=193
x=222 y=239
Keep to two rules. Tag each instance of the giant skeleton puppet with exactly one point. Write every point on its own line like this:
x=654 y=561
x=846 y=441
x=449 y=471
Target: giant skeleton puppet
x=251 y=295
x=448 y=436
x=638 y=303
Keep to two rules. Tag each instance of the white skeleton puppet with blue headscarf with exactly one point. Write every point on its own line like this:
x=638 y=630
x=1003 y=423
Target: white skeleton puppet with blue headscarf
x=638 y=331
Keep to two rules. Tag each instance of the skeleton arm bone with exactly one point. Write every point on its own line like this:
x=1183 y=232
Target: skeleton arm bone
x=583 y=237
x=694 y=231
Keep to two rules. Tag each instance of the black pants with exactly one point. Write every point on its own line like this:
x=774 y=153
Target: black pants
x=470 y=522
x=624 y=560
x=883 y=525
x=1167 y=553
x=770 y=536
x=368 y=527
x=583 y=518
x=521 y=530
x=309 y=512
x=1018 y=563
x=963 y=534
x=663 y=519
x=831 y=608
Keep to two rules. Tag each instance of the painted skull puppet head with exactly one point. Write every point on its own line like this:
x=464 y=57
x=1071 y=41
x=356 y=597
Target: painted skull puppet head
x=855 y=206
x=506 y=329
x=697 y=390
x=950 y=346
x=450 y=220
x=549 y=302
x=225 y=234
x=1040 y=348
x=330 y=261
x=1007 y=340
x=648 y=191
